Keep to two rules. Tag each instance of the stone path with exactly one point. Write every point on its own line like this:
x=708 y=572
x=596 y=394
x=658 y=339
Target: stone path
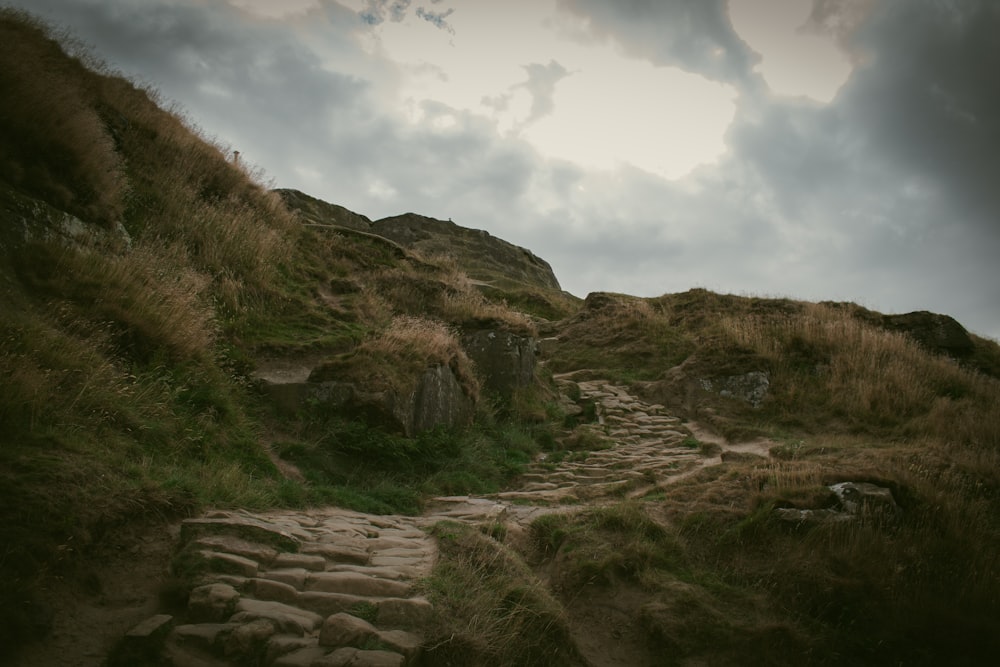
x=331 y=587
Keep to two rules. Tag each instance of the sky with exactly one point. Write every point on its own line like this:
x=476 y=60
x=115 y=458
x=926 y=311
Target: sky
x=844 y=150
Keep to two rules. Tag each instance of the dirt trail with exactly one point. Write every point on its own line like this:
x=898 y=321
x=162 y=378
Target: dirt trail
x=335 y=587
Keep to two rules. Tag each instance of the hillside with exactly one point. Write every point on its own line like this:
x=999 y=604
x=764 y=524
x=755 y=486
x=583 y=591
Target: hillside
x=542 y=479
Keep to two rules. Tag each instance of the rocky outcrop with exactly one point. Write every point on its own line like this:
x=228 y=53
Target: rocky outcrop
x=28 y=220
x=504 y=361
x=318 y=212
x=436 y=399
x=853 y=499
x=482 y=256
x=937 y=333
x=749 y=387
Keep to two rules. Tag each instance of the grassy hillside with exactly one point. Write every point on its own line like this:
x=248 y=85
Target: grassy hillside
x=144 y=276
x=725 y=580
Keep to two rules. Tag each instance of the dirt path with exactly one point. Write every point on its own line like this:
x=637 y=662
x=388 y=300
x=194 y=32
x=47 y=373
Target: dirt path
x=335 y=587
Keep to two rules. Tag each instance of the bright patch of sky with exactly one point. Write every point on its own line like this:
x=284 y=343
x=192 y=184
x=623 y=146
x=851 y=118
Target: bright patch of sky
x=794 y=62
x=582 y=102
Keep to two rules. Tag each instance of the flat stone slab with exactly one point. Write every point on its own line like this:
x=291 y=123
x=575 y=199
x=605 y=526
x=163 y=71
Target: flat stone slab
x=354 y=583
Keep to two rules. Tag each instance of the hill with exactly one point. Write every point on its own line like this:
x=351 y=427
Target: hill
x=178 y=338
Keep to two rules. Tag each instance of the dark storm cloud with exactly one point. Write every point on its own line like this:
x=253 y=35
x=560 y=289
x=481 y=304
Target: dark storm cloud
x=695 y=35
x=929 y=102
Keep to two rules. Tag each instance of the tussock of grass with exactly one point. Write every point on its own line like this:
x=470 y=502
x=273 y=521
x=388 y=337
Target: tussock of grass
x=827 y=369
x=626 y=338
x=493 y=610
x=394 y=358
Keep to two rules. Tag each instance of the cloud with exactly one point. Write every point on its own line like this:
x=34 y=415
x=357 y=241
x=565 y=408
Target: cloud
x=695 y=35
x=437 y=19
x=377 y=11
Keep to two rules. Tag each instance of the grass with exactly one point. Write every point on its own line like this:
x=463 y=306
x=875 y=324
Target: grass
x=624 y=337
x=126 y=399
x=492 y=610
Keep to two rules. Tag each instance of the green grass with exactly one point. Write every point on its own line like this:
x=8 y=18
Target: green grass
x=491 y=608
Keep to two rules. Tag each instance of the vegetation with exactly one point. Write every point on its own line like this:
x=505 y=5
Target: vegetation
x=144 y=275
x=493 y=610
x=128 y=348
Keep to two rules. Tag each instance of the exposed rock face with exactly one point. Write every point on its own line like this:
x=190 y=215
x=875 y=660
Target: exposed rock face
x=482 y=256
x=318 y=212
x=937 y=333
x=853 y=498
x=750 y=387
x=27 y=220
x=437 y=399
x=504 y=361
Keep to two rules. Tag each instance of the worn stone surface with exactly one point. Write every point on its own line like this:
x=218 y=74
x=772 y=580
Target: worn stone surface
x=212 y=603
x=320 y=586
x=504 y=360
x=439 y=401
x=436 y=398
x=345 y=630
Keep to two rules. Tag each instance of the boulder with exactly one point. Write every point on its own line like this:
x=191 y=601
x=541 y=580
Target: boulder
x=856 y=497
x=853 y=498
x=437 y=399
x=504 y=361
x=749 y=387
x=936 y=333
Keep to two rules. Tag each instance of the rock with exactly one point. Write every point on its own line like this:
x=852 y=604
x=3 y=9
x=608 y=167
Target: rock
x=504 y=361
x=303 y=561
x=269 y=589
x=341 y=551
x=439 y=401
x=249 y=638
x=229 y=563
x=239 y=547
x=318 y=212
x=936 y=333
x=856 y=497
x=142 y=643
x=247 y=528
x=482 y=256
x=749 y=387
x=286 y=619
x=346 y=630
x=28 y=220
x=353 y=583
x=279 y=645
x=353 y=657
x=212 y=603
x=436 y=399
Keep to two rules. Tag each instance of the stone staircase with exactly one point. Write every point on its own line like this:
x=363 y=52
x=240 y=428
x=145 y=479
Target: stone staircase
x=331 y=587
x=645 y=447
